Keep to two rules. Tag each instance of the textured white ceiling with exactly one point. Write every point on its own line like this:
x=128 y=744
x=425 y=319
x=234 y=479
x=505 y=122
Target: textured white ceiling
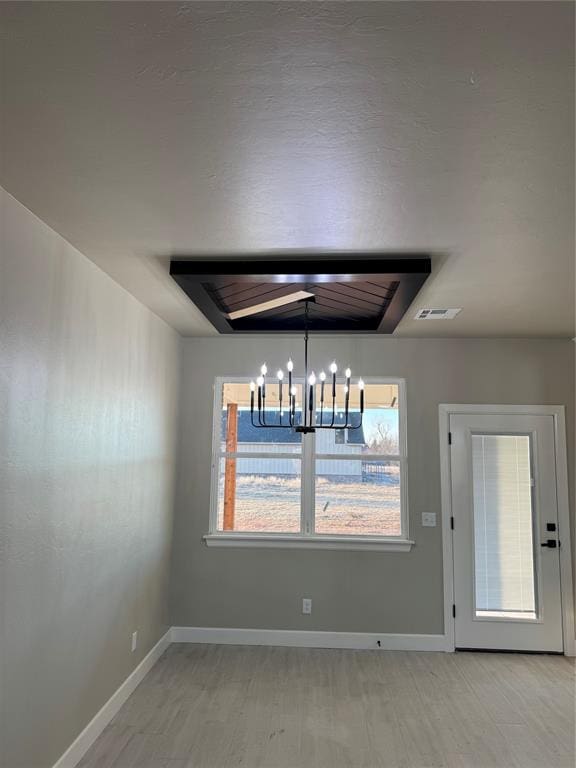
x=138 y=130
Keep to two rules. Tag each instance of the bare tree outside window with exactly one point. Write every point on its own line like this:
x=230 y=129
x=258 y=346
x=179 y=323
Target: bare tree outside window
x=383 y=439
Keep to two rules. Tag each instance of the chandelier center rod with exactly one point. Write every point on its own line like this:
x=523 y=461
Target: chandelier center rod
x=306 y=320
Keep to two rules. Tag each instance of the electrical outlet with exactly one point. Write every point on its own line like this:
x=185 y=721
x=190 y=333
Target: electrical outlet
x=429 y=519
x=134 y=641
x=306 y=605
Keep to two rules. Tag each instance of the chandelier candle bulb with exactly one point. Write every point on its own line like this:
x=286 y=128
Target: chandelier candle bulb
x=322 y=380
x=333 y=369
x=260 y=382
x=280 y=376
x=311 y=382
x=348 y=374
x=264 y=371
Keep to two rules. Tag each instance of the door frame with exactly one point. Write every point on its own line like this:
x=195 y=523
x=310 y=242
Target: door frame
x=446 y=410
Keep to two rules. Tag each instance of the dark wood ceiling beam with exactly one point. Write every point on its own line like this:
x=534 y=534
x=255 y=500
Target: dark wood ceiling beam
x=352 y=268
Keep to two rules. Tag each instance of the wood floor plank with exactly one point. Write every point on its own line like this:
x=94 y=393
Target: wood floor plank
x=207 y=706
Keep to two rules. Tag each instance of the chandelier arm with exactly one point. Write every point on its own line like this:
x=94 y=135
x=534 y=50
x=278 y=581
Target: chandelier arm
x=268 y=426
x=342 y=426
x=264 y=423
x=333 y=411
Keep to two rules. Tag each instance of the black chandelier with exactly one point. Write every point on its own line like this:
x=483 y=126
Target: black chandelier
x=307 y=421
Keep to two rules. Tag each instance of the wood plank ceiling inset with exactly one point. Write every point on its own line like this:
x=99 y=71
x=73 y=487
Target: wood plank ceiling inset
x=368 y=294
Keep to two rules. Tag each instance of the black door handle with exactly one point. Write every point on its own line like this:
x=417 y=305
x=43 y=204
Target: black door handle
x=550 y=543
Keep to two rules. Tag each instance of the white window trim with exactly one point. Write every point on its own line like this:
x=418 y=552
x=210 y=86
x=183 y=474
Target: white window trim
x=307 y=539
x=313 y=541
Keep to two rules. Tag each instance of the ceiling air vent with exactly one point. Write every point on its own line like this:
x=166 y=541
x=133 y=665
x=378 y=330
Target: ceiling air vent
x=437 y=314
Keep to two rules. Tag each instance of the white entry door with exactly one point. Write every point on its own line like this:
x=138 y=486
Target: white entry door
x=505 y=532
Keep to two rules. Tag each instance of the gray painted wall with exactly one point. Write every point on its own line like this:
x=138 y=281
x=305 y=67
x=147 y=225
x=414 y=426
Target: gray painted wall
x=88 y=391
x=352 y=591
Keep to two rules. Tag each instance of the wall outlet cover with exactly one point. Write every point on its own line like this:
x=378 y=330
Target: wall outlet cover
x=306 y=605
x=429 y=519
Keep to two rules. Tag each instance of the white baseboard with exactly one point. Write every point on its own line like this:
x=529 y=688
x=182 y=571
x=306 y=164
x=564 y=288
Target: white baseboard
x=307 y=639
x=84 y=741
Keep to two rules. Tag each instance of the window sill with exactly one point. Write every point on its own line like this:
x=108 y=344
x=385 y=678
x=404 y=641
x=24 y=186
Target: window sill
x=297 y=541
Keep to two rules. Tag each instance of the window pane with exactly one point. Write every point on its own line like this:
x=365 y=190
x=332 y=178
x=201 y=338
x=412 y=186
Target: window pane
x=259 y=494
x=503 y=526
x=380 y=431
x=358 y=497
x=237 y=432
x=381 y=423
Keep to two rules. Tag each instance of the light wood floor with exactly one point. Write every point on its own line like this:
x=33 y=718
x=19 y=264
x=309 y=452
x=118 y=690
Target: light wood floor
x=213 y=706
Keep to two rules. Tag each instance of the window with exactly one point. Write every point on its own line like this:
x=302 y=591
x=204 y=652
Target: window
x=334 y=488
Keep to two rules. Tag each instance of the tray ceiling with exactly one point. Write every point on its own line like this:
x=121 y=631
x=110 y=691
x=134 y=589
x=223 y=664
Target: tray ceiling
x=344 y=295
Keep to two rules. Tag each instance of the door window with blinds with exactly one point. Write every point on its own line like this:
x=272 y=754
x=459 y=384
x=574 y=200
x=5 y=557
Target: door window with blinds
x=331 y=483
x=505 y=574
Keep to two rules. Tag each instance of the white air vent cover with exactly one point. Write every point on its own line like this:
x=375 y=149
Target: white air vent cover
x=437 y=314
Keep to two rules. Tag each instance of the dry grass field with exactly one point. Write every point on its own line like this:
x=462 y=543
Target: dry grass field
x=343 y=505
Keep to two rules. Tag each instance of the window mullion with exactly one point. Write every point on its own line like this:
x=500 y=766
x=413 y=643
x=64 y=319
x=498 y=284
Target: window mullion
x=307 y=510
